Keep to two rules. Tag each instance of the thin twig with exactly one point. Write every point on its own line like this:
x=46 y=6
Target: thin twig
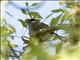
x=17 y=51
x=47 y=17
x=58 y=36
x=13 y=51
x=16 y=36
x=29 y=12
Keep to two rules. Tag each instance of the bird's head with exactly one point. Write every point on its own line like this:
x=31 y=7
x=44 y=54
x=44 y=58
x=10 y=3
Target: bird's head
x=31 y=20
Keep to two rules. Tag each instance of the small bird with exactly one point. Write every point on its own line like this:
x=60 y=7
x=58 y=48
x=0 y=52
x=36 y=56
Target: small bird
x=40 y=30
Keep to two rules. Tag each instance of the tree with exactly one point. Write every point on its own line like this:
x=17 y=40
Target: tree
x=41 y=35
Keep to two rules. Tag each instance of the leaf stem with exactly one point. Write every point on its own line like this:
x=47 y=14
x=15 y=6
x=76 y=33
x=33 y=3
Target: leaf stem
x=13 y=51
x=29 y=12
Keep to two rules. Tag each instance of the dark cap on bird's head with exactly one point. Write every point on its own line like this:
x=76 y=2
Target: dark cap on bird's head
x=31 y=20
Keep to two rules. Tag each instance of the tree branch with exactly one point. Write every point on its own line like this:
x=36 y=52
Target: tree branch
x=58 y=37
x=13 y=51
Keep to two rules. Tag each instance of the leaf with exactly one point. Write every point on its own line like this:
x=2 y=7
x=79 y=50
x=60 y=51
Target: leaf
x=62 y=19
x=58 y=10
x=69 y=16
x=23 y=11
x=24 y=24
x=65 y=27
x=66 y=17
x=11 y=29
x=25 y=40
x=12 y=37
x=58 y=47
x=48 y=16
x=26 y=20
x=13 y=45
x=55 y=20
x=61 y=3
x=70 y=4
x=35 y=4
x=55 y=38
x=35 y=15
x=26 y=3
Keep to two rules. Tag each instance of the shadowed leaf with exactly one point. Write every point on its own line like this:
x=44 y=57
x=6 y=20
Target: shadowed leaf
x=35 y=15
x=23 y=11
x=24 y=24
x=35 y=4
x=26 y=3
x=58 y=10
x=55 y=20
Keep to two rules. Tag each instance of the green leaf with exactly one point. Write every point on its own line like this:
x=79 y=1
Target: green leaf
x=67 y=16
x=35 y=4
x=26 y=20
x=12 y=37
x=48 y=16
x=13 y=45
x=58 y=10
x=54 y=21
x=25 y=40
x=55 y=38
x=11 y=29
x=35 y=15
x=62 y=19
x=23 y=11
x=21 y=20
x=26 y=3
x=65 y=27
x=70 y=4
x=62 y=3
x=58 y=47
x=24 y=24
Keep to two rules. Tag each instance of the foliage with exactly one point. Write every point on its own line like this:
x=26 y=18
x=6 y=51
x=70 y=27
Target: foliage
x=37 y=49
x=6 y=31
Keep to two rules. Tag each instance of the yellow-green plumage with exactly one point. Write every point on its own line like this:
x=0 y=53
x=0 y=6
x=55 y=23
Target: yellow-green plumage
x=39 y=31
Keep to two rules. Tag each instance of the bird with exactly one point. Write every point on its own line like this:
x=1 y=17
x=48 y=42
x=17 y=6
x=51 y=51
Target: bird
x=39 y=31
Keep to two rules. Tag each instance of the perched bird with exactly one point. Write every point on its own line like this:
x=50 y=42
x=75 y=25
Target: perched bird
x=39 y=30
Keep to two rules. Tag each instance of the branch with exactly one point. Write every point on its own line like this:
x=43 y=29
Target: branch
x=58 y=37
x=13 y=51
x=29 y=12
x=15 y=36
